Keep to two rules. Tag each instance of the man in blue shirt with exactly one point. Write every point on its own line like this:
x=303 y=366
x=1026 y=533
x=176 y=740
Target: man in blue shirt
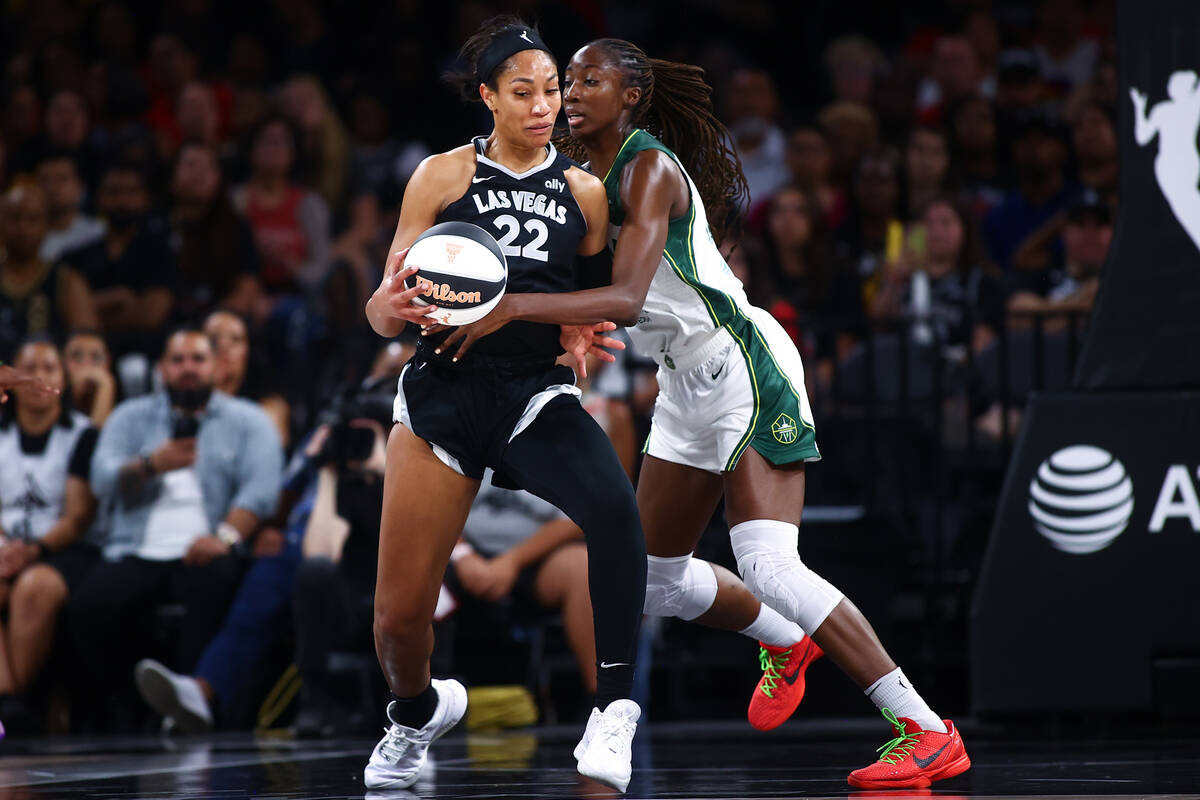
x=188 y=473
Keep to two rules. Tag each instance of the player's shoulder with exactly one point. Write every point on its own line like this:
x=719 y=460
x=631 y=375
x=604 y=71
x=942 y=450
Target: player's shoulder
x=451 y=167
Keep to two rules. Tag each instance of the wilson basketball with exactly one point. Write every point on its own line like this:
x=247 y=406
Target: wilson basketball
x=463 y=270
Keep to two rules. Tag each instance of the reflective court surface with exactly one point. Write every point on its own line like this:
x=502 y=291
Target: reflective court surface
x=676 y=760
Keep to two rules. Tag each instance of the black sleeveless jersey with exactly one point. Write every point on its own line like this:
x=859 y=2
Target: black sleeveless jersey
x=539 y=225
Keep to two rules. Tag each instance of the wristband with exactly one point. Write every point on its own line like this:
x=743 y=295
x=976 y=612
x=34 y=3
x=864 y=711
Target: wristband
x=460 y=551
x=148 y=464
x=228 y=534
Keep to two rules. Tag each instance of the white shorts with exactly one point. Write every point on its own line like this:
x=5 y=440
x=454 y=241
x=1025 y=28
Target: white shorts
x=742 y=388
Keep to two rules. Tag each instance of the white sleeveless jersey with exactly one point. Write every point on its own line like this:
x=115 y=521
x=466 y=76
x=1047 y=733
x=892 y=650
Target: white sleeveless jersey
x=32 y=487
x=693 y=293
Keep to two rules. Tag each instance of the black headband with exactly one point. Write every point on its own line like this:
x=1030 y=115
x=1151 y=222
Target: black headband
x=507 y=44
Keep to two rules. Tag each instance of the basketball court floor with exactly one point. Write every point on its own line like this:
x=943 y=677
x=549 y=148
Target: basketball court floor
x=806 y=759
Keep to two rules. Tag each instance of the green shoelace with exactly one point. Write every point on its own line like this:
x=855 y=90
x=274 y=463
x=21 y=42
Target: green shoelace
x=771 y=664
x=894 y=752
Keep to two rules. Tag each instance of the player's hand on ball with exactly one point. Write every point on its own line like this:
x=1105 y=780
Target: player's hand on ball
x=496 y=319
x=396 y=298
x=579 y=340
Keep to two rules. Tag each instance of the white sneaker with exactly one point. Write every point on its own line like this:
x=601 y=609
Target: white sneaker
x=587 y=734
x=605 y=752
x=178 y=697
x=397 y=760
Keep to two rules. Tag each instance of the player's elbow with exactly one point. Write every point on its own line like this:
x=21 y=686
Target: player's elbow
x=627 y=310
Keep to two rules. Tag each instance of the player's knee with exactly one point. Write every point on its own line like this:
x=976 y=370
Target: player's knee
x=682 y=587
x=399 y=622
x=772 y=570
x=612 y=513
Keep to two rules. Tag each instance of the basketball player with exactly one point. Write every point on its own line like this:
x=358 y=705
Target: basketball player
x=505 y=406
x=732 y=416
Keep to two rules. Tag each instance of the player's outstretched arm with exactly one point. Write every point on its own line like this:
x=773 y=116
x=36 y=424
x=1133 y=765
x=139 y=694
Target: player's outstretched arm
x=648 y=189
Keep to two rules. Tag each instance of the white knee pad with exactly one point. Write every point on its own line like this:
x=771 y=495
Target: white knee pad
x=682 y=586
x=771 y=568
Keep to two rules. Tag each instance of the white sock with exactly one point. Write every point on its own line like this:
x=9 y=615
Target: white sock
x=770 y=627
x=895 y=691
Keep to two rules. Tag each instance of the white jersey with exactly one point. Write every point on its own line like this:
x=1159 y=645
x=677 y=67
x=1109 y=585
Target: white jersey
x=33 y=485
x=693 y=293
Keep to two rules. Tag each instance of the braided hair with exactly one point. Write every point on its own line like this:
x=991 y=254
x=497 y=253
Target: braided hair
x=676 y=108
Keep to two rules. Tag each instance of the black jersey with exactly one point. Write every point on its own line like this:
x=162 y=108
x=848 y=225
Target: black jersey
x=539 y=225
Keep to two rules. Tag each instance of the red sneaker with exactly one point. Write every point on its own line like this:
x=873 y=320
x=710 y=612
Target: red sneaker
x=915 y=758
x=782 y=684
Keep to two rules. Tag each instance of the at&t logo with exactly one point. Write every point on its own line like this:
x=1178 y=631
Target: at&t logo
x=1081 y=499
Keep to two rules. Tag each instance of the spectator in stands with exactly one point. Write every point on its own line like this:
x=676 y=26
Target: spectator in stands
x=36 y=297
x=1094 y=136
x=290 y=223
x=752 y=113
x=941 y=282
x=974 y=155
x=1087 y=230
x=520 y=549
x=324 y=152
x=21 y=125
x=1039 y=155
x=189 y=472
x=818 y=304
x=358 y=257
x=199 y=117
x=46 y=507
x=380 y=164
x=852 y=130
x=239 y=374
x=131 y=270
x=810 y=165
x=89 y=375
x=218 y=261
x=872 y=236
x=68 y=227
x=171 y=65
x=67 y=127
x=954 y=73
x=1019 y=86
x=926 y=167
x=1065 y=57
x=854 y=64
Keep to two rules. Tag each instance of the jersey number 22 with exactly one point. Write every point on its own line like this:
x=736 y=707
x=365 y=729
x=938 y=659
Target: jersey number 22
x=512 y=228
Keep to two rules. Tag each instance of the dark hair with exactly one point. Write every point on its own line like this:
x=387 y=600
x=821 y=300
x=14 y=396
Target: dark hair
x=60 y=154
x=676 y=108
x=8 y=411
x=94 y=332
x=189 y=328
x=971 y=253
x=125 y=165
x=465 y=78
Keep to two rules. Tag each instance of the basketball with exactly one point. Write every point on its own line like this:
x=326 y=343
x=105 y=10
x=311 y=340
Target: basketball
x=463 y=270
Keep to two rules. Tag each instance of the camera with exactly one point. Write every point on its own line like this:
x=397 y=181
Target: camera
x=348 y=442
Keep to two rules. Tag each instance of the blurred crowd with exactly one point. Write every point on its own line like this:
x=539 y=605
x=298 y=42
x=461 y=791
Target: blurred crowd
x=196 y=200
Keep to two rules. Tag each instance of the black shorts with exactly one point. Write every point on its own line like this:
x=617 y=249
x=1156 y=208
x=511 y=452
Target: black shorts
x=468 y=415
x=74 y=562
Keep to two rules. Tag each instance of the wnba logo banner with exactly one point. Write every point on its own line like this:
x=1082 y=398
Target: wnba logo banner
x=1144 y=326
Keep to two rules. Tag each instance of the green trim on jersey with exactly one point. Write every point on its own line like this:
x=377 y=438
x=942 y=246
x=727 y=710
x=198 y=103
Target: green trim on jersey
x=777 y=429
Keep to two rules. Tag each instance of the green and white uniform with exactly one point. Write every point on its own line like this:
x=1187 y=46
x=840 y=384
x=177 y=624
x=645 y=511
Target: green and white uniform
x=729 y=376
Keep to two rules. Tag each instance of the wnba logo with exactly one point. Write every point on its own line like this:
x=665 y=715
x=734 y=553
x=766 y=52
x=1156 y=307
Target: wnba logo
x=1081 y=499
x=452 y=251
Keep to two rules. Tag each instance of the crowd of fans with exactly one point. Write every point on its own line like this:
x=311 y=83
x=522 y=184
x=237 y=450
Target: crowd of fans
x=197 y=200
